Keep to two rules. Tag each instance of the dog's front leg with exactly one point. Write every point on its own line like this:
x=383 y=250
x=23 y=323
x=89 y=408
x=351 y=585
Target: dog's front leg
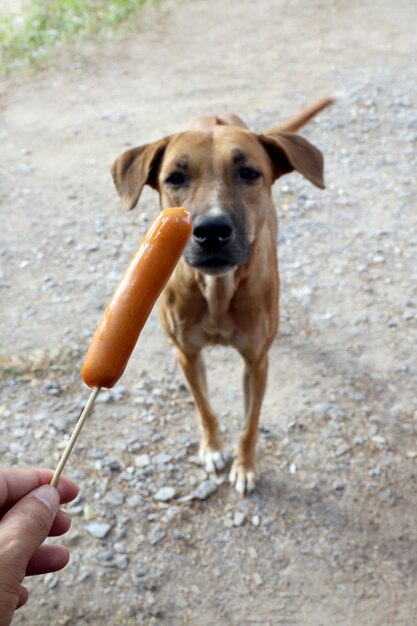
x=242 y=474
x=211 y=454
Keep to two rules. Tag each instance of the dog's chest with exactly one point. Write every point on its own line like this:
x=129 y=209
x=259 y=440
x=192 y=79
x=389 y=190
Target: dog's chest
x=217 y=324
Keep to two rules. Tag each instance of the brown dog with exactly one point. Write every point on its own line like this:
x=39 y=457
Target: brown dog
x=225 y=289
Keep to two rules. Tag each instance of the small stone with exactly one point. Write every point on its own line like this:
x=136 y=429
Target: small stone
x=105 y=555
x=100 y=530
x=205 y=490
x=162 y=459
x=379 y=440
x=104 y=397
x=134 y=501
x=24 y=168
x=156 y=534
x=120 y=548
x=165 y=494
x=119 y=561
x=239 y=518
x=257 y=579
x=321 y=409
x=171 y=513
x=50 y=580
x=84 y=575
x=53 y=388
x=256 y=520
x=387 y=496
x=19 y=432
x=112 y=463
x=376 y=419
x=143 y=460
x=114 y=497
x=118 y=393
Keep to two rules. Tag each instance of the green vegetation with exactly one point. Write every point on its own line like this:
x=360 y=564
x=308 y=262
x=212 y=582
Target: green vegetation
x=29 y=37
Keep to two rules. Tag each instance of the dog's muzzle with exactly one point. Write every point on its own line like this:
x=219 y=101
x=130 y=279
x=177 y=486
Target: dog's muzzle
x=217 y=244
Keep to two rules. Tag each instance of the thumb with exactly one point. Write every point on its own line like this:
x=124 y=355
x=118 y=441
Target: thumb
x=22 y=530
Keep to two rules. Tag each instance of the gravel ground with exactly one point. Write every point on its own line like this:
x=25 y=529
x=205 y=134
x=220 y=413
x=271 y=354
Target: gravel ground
x=329 y=537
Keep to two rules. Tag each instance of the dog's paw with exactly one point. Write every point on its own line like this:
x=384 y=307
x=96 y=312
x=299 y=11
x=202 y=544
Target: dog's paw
x=214 y=461
x=242 y=478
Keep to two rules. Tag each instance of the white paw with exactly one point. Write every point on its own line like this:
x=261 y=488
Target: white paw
x=213 y=460
x=243 y=479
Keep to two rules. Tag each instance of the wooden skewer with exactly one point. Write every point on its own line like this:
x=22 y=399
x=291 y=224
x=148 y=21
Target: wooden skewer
x=71 y=443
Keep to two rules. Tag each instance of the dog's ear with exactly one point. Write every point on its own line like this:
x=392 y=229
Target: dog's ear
x=290 y=152
x=135 y=168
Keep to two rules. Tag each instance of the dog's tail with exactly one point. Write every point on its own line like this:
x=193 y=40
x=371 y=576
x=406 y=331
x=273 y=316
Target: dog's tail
x=305 y=115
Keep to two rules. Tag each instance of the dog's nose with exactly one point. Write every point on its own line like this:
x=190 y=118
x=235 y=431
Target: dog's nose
x=212 y=231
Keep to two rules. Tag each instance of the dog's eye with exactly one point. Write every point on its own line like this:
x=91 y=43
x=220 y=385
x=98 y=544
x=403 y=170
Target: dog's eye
x=176 y=179
x=248 y=174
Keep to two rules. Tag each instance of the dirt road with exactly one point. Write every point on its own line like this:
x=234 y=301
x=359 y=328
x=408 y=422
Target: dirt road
x=329 y=538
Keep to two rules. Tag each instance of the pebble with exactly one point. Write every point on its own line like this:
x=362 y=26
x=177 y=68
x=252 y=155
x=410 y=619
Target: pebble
x=206 y=489
x=142 y=460
x=164 y=494
x=100 y=530
x=239 y=518
x=120 y=548
x=114 y=497
x=84 y=575
x=119 y=561
x=53 y=388
x=156 y=534
x=161 y=459
x=387 y=496
x=321 y=409
x=50 y=580
x=24 y=168
x=105 y=555
x=104 y=397
x=171 y=513
x=134 y=501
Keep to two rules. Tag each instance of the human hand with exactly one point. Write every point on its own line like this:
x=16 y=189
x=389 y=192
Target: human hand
x=28 y=514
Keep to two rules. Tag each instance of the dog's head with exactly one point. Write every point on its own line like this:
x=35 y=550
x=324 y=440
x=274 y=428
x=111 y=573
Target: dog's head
x=223 y=174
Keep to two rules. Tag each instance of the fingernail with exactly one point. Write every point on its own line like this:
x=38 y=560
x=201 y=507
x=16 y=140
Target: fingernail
x=49 y=496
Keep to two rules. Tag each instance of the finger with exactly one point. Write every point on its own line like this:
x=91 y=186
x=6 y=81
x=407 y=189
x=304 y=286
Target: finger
x=24 y=596
x=48 y=559
x=61 y=524
x=17 y=482
x=26 y=525
x=22 y=530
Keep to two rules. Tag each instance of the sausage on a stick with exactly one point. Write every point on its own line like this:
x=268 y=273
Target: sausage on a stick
x=126 y=314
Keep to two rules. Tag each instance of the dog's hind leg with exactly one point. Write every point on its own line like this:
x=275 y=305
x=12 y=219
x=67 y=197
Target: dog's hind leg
x=211 y=454
x=242 y=474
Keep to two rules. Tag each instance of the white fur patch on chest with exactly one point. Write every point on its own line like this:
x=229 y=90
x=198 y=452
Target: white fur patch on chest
x=218 y=292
